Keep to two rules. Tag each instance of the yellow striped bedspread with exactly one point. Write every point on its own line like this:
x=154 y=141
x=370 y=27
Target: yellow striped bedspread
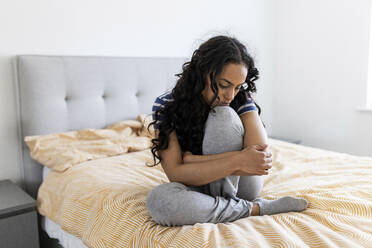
x=102 y=202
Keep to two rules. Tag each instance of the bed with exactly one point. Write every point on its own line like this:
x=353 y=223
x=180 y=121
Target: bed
x=98 y=199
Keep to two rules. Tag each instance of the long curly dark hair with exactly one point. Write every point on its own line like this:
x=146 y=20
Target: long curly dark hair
x=188 y=112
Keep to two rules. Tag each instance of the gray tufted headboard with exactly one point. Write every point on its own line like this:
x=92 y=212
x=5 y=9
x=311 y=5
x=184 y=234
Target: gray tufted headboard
x=65 y=93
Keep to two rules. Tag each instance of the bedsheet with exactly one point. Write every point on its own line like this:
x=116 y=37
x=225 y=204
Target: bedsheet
x=102 y=202
x=65 y=239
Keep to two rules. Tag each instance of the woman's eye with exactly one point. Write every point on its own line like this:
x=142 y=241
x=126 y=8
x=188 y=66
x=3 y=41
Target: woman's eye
x=224 y=86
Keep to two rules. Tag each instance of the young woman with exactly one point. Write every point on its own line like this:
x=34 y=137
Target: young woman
x=211 y=142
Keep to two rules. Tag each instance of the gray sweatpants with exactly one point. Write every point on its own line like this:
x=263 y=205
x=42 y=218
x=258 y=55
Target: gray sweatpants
x=224 y=200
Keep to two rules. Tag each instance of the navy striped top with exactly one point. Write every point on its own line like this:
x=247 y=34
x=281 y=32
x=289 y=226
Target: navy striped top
x=167 y=97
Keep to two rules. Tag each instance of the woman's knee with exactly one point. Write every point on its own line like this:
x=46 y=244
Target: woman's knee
x=159 y=197
x=162 y=203
x=224 y=131
x=225 y=117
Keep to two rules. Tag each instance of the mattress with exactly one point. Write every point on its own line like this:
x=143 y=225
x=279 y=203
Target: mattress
x=102 y=203
x=55 y=231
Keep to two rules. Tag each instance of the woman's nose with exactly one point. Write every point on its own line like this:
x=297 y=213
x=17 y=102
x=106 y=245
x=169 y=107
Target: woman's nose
x=229 y=96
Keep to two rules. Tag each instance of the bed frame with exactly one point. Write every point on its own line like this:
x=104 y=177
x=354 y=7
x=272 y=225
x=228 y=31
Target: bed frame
x=66 y=93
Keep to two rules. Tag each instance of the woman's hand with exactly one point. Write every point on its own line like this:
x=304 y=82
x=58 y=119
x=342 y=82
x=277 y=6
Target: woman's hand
x=254 y=160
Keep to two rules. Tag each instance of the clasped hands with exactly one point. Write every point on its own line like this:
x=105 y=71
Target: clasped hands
x=254 y=160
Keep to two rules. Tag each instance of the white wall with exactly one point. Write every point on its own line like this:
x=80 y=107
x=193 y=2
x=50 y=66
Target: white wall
x=320 y=73
x=121 y=28
x=312 y=56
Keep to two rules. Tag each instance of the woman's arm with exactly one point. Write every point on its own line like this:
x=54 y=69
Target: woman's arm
x=197 y=173
x=188 y=157
x=254 y=131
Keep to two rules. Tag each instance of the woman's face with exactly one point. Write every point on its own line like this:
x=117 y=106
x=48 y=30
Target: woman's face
x=229 y=83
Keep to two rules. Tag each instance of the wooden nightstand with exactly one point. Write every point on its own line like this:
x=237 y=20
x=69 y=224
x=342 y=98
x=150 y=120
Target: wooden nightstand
x=18 y=217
